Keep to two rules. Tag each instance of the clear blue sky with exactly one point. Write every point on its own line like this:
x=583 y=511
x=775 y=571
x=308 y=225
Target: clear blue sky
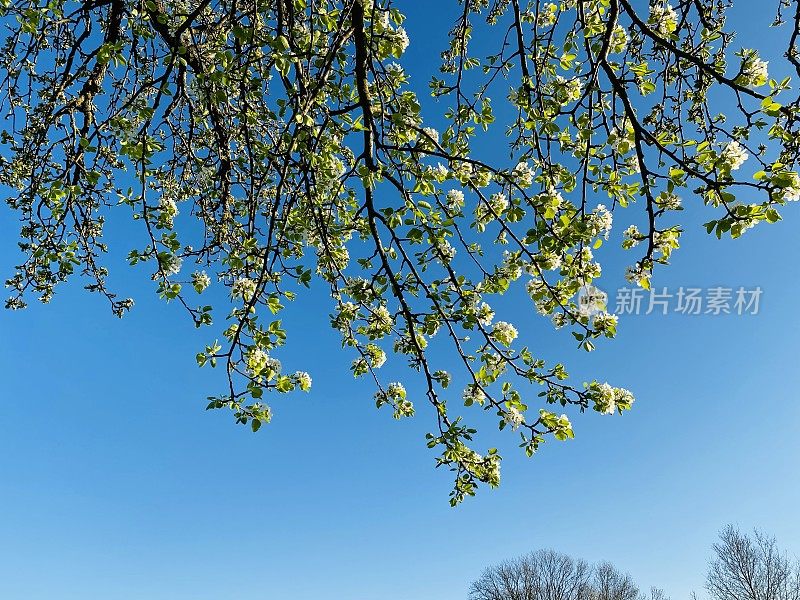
x=115 y=484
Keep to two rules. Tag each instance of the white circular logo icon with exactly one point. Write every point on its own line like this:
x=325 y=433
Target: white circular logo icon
x=591 y=300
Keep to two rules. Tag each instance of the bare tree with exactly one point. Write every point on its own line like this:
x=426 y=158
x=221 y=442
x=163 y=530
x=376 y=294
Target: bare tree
x=540 y=575
x=751 y=568
x=550 y=575
x=610 y=584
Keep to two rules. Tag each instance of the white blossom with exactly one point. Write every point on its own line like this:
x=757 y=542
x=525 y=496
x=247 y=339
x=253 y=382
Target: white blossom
x=485 y=314
x=455 y=200
x=303 y=380
x=200 y=281
x=168 y=207
x=559 y=319
x=791 y=193
x=488 y=211
x=602 y=220
x=473 y=394
x=663 y=18
x=513 y=417
x=376 y=356
x=734 y=155
x=440 y=172
x=523 y=174
x=638 y=274
x=431 y=133
x=605 y=323
x=504 y=332
x=754 y=70
x=631 y=237
x=401 y=38
x=170 y=264
x=379 y=322
x=547 y=15
x=446 y=251
x=257 y=361
x=243 y=288
x=619 y=40
x=668 y=201
x=396 y=391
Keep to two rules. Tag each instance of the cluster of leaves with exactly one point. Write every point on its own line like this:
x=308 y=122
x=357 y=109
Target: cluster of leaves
x=277 y=144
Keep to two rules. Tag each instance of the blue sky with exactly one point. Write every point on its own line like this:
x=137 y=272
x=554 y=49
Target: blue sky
x=115 y=483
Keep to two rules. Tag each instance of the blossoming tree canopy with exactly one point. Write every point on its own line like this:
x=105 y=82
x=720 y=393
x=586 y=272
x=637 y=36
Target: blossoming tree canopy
x=267 y=146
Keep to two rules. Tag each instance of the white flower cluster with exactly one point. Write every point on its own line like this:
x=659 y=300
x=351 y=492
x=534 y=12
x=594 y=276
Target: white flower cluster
x=169 y=210
x=600 y=221
x=606 y=324
x=544 y=261
x=170 y=264
x=482 y=178
x=486 y=212
x=639 y=274
x=540 y=294
x=440 y=172
x=473 y=395
x=396 y=391
x=455 y=200
x=303 y=380
x=559 y=319
x=260 y=363
x=379 y=322
x=200 y=281
x=243 y=288
x=754 y=71
x=512 y=265
x=791 y=193
x=547 y=15
x=663 y=18
x=374 y=357
x=560 y=426
x=745 y=219
x=446 y=251
x=462 y=170
x=584 y=268
x=485 y=468
x=523 y=174
x=395 y=69
x=733 y=155
x=551 y=199
x=431 y=133
x=504 y=332
x=401 y=38
x=567 y=90
x=664 y=242
x=403 y=408
x=607 y=399
x=631 y=237
x=622 y=139
x=513 y=417
x=395 y=395
x=619 y=40
x=485 y=314
x=668 y=201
